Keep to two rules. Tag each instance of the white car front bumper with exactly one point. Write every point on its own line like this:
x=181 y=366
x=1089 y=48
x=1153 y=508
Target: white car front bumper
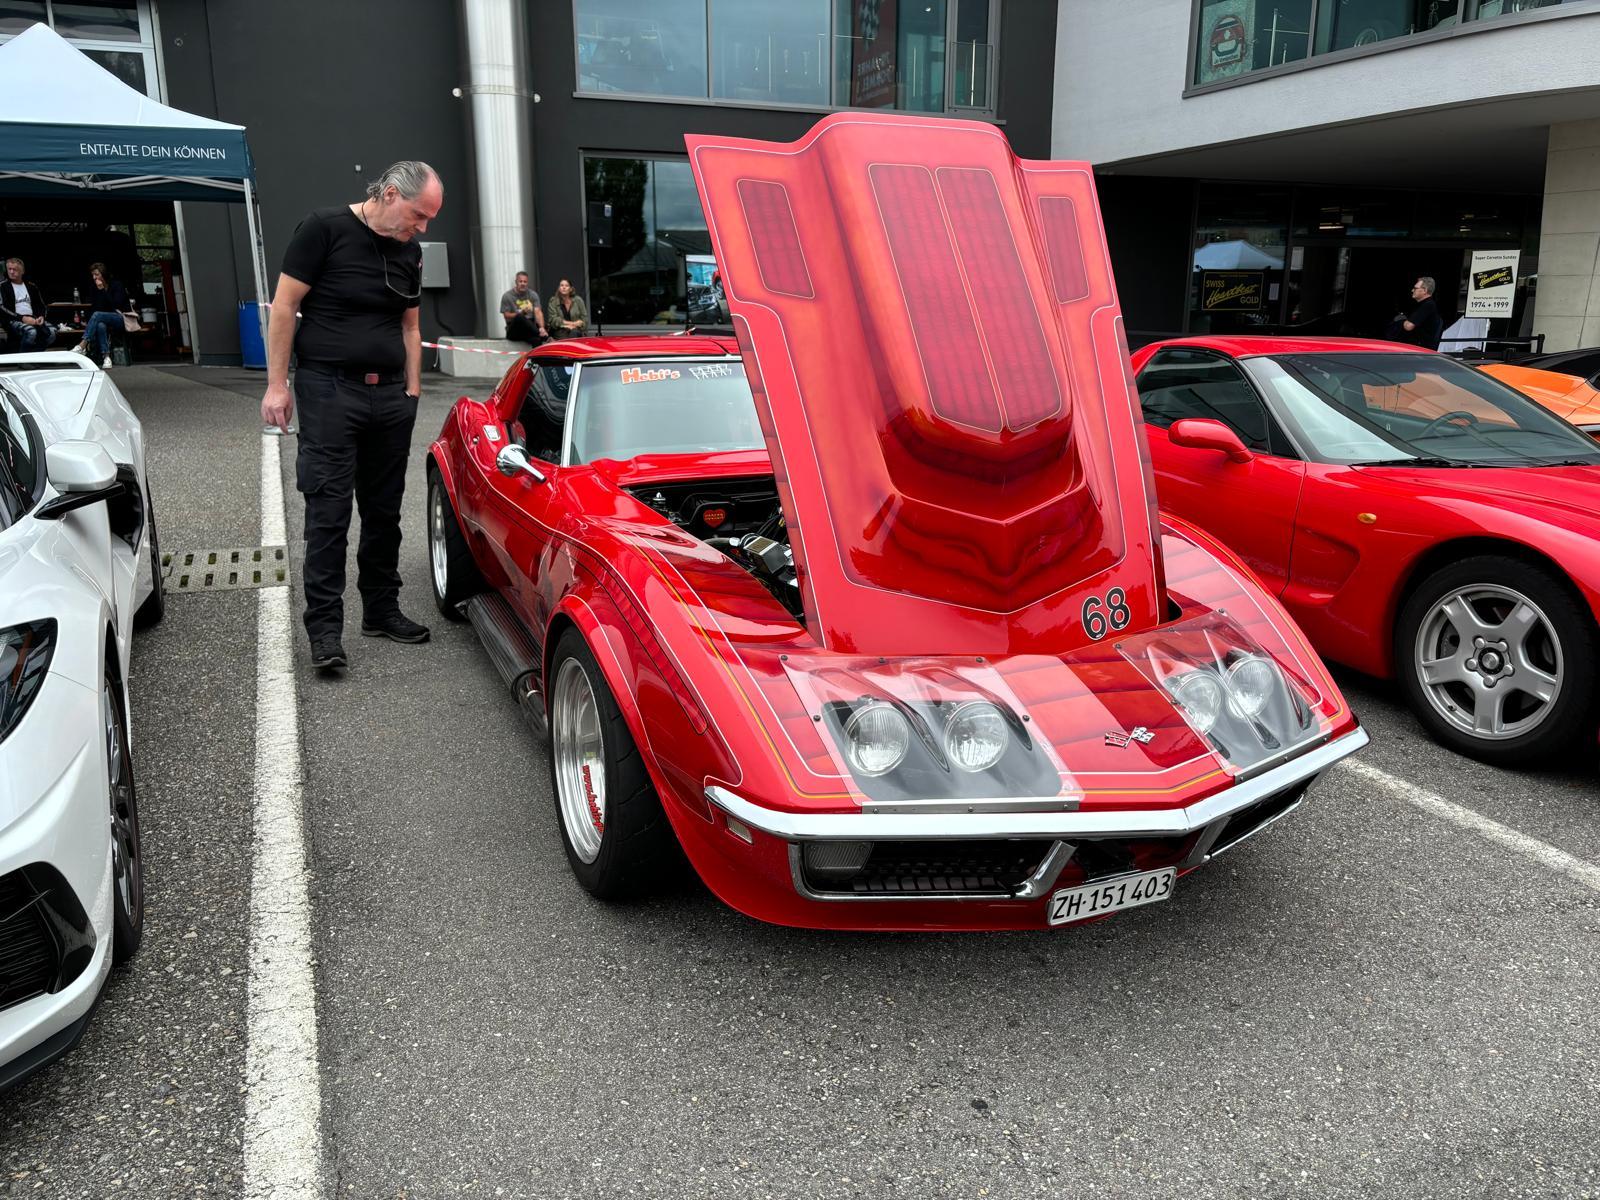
x=55 y=863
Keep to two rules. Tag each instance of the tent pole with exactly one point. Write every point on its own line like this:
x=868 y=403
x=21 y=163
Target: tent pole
x=257 y=256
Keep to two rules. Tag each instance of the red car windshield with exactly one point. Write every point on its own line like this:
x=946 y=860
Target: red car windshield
x=1421 y=409
x=662 y=406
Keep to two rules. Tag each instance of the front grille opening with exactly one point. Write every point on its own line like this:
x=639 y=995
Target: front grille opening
x=1249 y=821
x=989 y=867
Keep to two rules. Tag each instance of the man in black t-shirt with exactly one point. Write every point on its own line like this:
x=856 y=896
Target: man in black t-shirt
x=354 y=275
x=1424 y=326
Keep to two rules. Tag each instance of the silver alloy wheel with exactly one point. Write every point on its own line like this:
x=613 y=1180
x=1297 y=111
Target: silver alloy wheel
x=1489 y=661
x=438 y=549
x=125 y=874
x=578 y=743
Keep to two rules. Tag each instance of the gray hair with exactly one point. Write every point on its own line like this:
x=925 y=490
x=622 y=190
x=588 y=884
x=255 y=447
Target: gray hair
x=408 y=177
x=18 y=261
x=1427 y=282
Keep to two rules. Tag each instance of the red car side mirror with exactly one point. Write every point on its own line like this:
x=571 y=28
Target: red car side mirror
x=1202 y=433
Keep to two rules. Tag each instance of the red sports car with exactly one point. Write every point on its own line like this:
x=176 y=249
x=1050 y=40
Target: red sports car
x=1420 y=519
x=870 y=611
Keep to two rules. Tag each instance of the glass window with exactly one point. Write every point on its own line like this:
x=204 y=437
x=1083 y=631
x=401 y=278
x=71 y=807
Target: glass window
x=1240 y=242
x=1345 y=24
x=972 y=56
x=662 y=406
x=1237 y=36
x=107 y=21
x=1394 y=407
x=647 y=47
x=17 y=15
x=640 y=276
x=543 y=412
x=1186 y=383
x=18 y=457
x=770 y=51
x=920 y=50
x=126 y=65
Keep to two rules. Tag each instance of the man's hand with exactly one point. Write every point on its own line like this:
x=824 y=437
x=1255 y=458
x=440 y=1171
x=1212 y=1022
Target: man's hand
x=277 y=406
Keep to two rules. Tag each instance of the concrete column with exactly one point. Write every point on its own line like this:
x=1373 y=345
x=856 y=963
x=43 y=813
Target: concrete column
x=496 y=42
x=1567 y=304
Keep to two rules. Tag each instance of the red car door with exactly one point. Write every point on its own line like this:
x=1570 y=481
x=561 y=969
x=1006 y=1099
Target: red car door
x=517 y=517
x=1249 y=506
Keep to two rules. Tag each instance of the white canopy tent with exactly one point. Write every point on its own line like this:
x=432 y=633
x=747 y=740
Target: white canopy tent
x=70 y=127
x=1235 y=255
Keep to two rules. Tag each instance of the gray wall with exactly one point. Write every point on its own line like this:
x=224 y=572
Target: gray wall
x=565 y=126
x=321 y=87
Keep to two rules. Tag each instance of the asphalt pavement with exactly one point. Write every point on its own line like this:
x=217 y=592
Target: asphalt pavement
x=1366 y=1000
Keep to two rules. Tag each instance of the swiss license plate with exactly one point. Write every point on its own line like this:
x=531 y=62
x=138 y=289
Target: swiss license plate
x=1111 y=895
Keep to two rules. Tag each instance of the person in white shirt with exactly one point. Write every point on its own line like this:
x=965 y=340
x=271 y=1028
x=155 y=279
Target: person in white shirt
x=23 y=310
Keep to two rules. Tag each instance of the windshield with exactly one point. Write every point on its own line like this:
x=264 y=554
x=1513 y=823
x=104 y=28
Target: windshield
x=663 y=406
x=1423 y=409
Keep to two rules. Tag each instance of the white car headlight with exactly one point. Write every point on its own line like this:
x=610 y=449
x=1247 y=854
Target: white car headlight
x=877 y=736
x=1200 y=695
x=1252 y=683
x=976 y=736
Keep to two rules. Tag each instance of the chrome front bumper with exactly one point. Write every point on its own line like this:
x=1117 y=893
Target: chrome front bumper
x=980 y=820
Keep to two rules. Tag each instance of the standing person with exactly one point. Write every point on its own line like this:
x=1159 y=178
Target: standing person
x=567 y=316
x=523 y=313
x=23 y=309
x=1423 y=327
x=107 y=302
x=354 y=274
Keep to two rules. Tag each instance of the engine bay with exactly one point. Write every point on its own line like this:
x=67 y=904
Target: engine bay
x=740 y=517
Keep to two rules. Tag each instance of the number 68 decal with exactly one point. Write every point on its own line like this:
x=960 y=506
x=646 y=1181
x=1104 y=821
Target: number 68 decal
x=1108 y=615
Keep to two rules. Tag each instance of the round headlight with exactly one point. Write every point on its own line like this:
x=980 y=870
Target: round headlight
x=976 y=736
x=1201 y=697
x=877 y=736
x=1252 y=682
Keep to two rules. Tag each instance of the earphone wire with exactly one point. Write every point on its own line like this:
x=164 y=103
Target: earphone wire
x=383 y=260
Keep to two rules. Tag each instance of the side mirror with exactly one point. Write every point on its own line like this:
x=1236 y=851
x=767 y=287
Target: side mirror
x=82 y=473
x=1202 y=433
x=513 y=461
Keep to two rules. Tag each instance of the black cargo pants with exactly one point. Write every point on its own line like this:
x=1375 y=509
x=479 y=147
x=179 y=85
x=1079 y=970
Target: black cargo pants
x=355 y=438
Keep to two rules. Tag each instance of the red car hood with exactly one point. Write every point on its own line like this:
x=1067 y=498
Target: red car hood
x=931 y=332
x=1515 y=489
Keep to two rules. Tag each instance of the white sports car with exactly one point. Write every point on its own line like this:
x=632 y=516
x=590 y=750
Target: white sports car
x=79 y=565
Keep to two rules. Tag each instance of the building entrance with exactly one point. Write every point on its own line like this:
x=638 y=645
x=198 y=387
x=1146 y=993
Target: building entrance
x=1356 y=291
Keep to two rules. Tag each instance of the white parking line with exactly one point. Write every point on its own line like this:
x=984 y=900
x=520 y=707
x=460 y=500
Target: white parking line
x=1543 y=853
x=283 y=1101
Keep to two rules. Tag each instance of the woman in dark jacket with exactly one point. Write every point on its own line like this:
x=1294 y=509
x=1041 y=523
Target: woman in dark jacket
x=566 y=316
x=109 y=300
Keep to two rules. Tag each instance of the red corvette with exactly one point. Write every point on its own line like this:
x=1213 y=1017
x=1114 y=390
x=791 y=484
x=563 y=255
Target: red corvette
x=870 y=611
x=1420 y=519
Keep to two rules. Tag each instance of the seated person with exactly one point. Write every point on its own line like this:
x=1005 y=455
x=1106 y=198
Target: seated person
x=23 y=310
x=523 y=314
x=107 y=301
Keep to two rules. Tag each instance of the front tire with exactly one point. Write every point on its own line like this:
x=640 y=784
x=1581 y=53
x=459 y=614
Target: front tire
x=127 y=845
x=453 y=574
x=1494 y=656
x=616 y=836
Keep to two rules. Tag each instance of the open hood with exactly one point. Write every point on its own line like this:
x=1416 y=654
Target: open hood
x=931 y=331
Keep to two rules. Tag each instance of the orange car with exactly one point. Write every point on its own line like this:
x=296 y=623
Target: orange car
x=1570 y=397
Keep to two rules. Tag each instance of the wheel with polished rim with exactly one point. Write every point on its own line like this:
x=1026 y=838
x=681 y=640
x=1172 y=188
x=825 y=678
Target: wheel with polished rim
x=1493 y=655
x=155 y=604
x=454 y=575
x=616 y=836
x=127 y=848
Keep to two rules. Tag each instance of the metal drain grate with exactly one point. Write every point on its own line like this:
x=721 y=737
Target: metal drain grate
x=226 y=570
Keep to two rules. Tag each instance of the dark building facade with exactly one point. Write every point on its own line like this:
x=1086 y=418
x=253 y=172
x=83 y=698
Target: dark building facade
x=330 y=93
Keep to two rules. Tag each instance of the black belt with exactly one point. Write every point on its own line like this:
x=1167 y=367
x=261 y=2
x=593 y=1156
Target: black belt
x=354 y=374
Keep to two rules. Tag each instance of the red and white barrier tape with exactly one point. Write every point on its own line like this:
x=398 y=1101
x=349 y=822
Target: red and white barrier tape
x=469 y=349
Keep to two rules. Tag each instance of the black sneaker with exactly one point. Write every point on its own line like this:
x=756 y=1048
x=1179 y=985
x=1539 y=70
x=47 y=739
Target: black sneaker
x=395 y=626
x=327 y=654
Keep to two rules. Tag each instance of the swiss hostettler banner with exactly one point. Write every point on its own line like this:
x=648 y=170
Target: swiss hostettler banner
x=1492 y=283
